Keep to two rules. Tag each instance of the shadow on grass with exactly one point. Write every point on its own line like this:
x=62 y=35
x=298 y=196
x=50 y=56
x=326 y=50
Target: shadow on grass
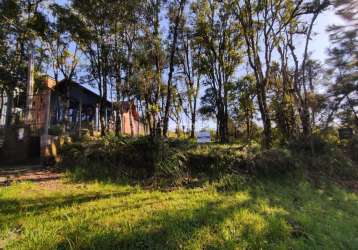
x=12 y=208
x=198 y=228
x=201 y=227
x=164 y=230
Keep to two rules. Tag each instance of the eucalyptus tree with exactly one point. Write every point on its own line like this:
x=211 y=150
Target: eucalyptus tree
x=217 y=33
x=90 y=24
x=148 y=65
x=189 y=68
x=175 y=13
x=21 y=22
x=243 y=106
x=63 y=56
x=126 y=28
x=262 y=20
x=343 y=68
x=263 y=25
x=343 y=64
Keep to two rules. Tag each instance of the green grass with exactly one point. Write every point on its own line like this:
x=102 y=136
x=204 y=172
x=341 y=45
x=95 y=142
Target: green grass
x=228 y=214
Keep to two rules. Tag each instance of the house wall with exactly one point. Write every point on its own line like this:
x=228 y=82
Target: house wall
x=138 y=128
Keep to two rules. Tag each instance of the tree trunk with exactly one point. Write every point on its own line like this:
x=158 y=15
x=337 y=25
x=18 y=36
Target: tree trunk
x=222 y=124
x=171 y=68
x=118 y=123
x=265 y=116
x=102 y=116
x=66 y=108
x=193 y=121
x=1 y=103
x=30 y=88
x=131 y=118
x=9 y=104
x=248 y=124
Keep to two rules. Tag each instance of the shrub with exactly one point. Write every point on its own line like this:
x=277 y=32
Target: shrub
x=273 y=162
x=353 y=148
x=215 y=160
x=336 y=164
x=174 y=161
x=172 y=166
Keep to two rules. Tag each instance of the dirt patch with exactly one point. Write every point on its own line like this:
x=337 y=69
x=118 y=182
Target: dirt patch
x=38 y=174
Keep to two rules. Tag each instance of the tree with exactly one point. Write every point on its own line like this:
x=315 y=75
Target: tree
x=90 y=25
x=243 y=107
x=148 y=66
x=263 y=25
x=21 y=22
x=343 y=62
x=63 y=57
x=218 y=36
x=189 y=68
x=176 y=10
x=342 y=94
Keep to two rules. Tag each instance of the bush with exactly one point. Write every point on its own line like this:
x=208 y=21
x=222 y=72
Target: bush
x=215 y=160
x=274 y=162
x=336 y=164
x=174 y=161
x=113 y=157
x=353 y=148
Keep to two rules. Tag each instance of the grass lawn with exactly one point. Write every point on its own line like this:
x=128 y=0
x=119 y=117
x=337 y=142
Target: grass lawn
x=276 y=214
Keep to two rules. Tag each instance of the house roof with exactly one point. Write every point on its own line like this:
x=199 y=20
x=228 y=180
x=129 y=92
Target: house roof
x=80 y=92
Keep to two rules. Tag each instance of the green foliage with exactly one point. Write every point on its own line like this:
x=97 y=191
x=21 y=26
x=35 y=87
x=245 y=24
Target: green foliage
x=176 y=161
x=56 y=130
x=274 y=162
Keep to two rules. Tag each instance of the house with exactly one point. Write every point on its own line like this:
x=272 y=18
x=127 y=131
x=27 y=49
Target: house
x=49 y=108
x=36 y=135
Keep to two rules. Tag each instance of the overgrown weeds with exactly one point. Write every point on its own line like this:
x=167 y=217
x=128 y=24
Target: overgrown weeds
x=175 y=162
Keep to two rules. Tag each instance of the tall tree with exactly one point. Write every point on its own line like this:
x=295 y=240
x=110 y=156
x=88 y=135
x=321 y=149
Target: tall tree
x=90 y=24
x=176 y=10
x=189 y=68
x=218 y=36
x=148 y=66
x=21 y=22
x=263 y=24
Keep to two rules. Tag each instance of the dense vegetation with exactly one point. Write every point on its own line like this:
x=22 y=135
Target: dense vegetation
x=178 y=162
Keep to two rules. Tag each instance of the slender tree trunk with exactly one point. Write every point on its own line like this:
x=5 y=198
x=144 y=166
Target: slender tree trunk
x=102 y=115
x=265 y=116
x=30 y=87
x=248 y=125
x=66 y=108
x=193 y=121
x=1 y=103
x=118 y=129
x=131 y=118
x=171 y=68
x=9 y=106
